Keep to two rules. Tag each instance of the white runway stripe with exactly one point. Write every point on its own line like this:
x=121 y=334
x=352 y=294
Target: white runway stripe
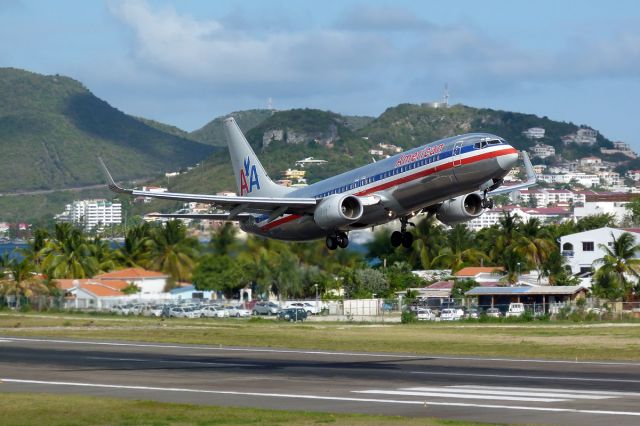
x=535 y=389
x=214 y=364
x=515 y=376
x=489 y=390
x=445 y=394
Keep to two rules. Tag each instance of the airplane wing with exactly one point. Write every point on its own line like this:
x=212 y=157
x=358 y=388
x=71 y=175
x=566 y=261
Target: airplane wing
x=206 y=216
x=531 y=179
x=234 y=204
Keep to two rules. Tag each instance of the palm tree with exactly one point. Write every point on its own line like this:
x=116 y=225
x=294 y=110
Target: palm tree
x=459 y=251
x=224 y=240
x=137 y=248
x=619 y=262
x=173 y=253
x=101 y=251
x=429 y=237
x=22 y=281
x=68 y=255
x=532 y=243
x=34 y=250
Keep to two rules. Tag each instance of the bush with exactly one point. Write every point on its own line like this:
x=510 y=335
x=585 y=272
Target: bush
x=408 y=317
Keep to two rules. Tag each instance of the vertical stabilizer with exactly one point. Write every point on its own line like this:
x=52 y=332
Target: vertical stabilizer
x=251 y=178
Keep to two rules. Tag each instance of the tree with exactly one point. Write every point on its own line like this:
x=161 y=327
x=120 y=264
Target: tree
x=68 y=254
x=131 y=288
x=219 y=272
x=137 y=248
x=22 y=281
x=364 y=283
x=633 y=207
x=173 y=253
x=224 y=239
x=533 y=244
x=617 y=265
x=459 y=252
x=460 y=287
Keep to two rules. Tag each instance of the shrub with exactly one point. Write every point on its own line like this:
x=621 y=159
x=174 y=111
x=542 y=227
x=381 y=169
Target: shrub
x=408 y=317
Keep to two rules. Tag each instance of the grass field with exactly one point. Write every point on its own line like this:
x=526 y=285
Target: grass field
x=573 y=341
x=68 y=410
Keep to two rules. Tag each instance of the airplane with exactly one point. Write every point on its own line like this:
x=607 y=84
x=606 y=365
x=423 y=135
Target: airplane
x=452 y=178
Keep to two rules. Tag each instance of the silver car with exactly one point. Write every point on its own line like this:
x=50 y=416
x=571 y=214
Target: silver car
x=265 y=308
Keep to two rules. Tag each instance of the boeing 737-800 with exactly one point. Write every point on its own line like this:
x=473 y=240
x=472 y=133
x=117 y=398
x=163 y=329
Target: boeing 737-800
x=451 y=178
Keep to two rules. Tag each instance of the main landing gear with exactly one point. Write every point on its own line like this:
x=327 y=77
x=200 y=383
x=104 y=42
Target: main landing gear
x=339 y=239
x=402 y=237
x=487 y=203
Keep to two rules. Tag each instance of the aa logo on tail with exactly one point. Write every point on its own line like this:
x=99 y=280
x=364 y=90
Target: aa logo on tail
x=251 y=173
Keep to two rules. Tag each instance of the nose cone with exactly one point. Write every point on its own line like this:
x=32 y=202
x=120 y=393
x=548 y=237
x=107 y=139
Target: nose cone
x=507 y=161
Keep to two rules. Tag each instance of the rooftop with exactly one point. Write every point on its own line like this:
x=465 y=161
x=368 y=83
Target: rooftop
x=472 y=271
x=131 y=273
x=526 y=291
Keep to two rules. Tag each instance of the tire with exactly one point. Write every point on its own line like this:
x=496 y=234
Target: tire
x=396 y=238
x=407 y=240
x=331 y=242
x=343 y=240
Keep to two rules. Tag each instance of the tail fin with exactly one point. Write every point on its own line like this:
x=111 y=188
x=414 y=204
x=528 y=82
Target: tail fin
x=251 y=178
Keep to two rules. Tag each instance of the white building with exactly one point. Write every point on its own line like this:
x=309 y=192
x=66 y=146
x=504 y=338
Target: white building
x=543 y=151
x=534 y=133
x=584 y=179
x=591 y=208
x=633 y=174
x=609 y=178
x=493 y=216
x=92 y=213
x=581 y=249
x=584 y=136
x=149 y=282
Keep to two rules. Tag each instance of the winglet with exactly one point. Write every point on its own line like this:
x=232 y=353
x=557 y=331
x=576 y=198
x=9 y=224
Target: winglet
x=528 y=168
x=110 y=182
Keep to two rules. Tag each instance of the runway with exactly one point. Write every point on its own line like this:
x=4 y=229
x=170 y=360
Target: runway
x=467 y=388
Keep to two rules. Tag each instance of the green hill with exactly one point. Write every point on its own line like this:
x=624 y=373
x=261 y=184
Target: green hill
x=52 y=128
x=212 y=133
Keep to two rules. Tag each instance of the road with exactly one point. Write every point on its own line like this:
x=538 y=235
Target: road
x=479 y=389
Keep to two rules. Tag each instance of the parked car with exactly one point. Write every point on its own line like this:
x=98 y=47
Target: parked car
x=211 y=312
x=472 y=313
x=180 y=312
x=515 y=310
x=121 y=309
x=308 y=307
x=493 y=313
x=451 y=314
x=265 y=308
x=237 y=311
x=292 y=314
x=424 y=314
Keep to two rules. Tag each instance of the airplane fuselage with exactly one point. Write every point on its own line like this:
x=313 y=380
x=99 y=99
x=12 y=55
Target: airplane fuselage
x=400 y=185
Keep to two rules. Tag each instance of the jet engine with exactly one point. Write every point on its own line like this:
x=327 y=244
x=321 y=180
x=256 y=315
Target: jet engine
x=338 y=210
x=460 y=209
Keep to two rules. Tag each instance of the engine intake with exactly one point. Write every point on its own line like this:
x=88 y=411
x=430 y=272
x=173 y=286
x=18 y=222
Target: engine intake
x=460 y=209
x=338 y=210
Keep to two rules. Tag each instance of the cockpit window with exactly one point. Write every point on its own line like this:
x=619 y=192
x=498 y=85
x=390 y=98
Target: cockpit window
x=479 y=145
x=494 y=142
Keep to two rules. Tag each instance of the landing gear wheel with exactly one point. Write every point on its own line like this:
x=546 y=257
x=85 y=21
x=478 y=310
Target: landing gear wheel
x=407 y=240
x=332 y=242
x=342 y=239
x=396 y=238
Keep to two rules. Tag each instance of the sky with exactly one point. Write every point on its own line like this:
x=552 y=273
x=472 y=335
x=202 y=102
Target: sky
x=186 y=62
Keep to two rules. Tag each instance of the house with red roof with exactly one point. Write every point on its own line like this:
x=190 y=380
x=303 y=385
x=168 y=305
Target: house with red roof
x=149 y=282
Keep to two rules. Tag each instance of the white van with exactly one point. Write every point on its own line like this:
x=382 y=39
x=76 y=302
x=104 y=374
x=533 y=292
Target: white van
x=515 y=310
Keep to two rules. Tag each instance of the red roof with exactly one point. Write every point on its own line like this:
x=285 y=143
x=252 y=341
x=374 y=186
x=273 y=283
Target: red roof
x=472 y=271
x=100 y=290
x=131 y=273
x=441 y=285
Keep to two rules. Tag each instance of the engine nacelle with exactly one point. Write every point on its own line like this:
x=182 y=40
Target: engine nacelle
x=338 y=210
x=460 y=209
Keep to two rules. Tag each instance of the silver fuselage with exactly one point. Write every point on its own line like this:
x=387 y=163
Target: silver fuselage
x=400 y=185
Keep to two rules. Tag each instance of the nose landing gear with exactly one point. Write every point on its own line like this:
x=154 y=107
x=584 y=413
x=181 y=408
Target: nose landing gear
x=402 y=237
x=339 y=239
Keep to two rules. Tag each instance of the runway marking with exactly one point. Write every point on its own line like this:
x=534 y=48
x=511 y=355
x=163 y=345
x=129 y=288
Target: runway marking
x=215 y=364
x=536 y=389
x=513 y=376
x=528 y=392
x=498 y=393
x=294 y=351
x=329 y=398
x=444 y=393
x=4 y=340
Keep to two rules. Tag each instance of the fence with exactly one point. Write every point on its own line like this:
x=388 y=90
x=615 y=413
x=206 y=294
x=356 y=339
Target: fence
x=351 y=310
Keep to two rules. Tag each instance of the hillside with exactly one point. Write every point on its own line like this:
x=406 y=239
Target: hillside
x=212 y=133
x=52 y=128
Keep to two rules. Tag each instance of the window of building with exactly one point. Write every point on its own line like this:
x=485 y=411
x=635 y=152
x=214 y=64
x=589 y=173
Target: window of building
x=587 y=246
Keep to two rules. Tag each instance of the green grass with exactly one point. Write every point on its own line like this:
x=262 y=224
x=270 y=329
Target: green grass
x=558 y=340
x=68 y=410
